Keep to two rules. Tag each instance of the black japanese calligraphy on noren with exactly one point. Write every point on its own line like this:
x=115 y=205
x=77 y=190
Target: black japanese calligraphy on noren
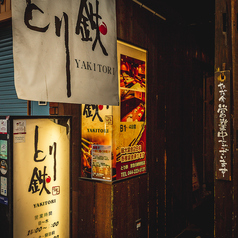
x=28 y=16
x=87 y=21
x=58 y=23
x=83 y=26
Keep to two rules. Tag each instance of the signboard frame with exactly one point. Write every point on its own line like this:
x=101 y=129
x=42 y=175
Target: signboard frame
x=7 y=210
x=121 y=128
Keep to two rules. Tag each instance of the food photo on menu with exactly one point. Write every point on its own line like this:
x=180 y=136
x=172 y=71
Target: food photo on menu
x=132 y=73
x=132 y=106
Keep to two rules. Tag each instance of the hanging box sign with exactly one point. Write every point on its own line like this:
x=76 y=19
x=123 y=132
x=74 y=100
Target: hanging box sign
x=113 y=139
x=65 y=51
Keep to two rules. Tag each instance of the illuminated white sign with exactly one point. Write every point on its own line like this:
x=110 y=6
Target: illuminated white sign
x=41 y=182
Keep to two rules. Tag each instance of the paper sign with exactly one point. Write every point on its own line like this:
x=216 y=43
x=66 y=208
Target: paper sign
x=3 y=149
x=101 y=162
x=3 y=186
x=19 y=127
x=3 y=126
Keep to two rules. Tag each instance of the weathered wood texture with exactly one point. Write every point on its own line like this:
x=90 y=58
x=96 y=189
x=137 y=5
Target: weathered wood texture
x=5 y=10
x=137 y=26
x=163 y=198
x=209 y=131
x=111 y=210
x=234 y=25
x=223 y=190
x=74 y=111
x=178 y=59
x=86 y=209
x=95 y=209
x=129 y=206
x=103 y=207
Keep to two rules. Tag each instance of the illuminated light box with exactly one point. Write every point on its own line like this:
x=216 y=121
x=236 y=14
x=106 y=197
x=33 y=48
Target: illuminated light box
x=113 y=138
x=35 y=178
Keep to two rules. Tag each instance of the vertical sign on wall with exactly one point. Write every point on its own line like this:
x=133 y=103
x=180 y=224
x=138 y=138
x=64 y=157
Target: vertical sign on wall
x=222 y=122
x=41 y=180
x=129 y=119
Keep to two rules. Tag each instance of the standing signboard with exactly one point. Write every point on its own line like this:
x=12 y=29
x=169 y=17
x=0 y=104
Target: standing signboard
x=35 y=178
x=114 y=137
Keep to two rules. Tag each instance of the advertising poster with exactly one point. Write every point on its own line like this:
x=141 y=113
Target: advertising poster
x=96 y=141
x=3 y=126
x=41 y=179
x=101 y=162
x=4 y=169
x=114 y=137
x=3 y=149
x=129 y=119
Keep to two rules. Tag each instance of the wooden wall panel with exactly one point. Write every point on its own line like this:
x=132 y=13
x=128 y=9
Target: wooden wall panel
x=162 y=198
x=234 y=25
x=86 y=210
x=129 y=206
x=5 y=10
x=137 y=26
x=209 y=132
x=103 y=207
x=74 y=110
x=178 y=144
x=223 y=189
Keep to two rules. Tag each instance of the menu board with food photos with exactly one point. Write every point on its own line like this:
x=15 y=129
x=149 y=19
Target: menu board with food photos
x=114 y=137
